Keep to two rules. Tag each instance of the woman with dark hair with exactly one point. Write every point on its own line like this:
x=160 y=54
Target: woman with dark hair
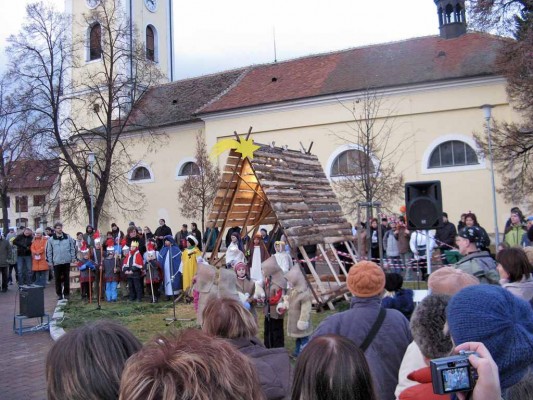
x=374 y=240
x=87 y=362
x=227 y=318
x=470 y=221
x=332 y=367
x=515 y=272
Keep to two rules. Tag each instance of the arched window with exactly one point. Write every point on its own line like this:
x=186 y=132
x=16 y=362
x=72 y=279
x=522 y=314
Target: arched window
x=95 y=42
x=351 y=162
x=140 y=174
x=189 y=168
x=452 y=153
x=150 y=43
x=458 y=13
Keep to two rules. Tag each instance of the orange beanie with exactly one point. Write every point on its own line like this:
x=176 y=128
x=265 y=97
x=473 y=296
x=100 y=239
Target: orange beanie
x=366 y=279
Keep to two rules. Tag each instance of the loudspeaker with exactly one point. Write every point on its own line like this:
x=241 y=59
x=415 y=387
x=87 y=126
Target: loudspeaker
x=31 y=301
x=423 y=201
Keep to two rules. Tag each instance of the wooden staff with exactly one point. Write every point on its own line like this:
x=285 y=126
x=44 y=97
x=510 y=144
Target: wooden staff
x=101 y=266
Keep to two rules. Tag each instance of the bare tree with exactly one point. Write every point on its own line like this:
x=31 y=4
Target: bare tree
x=369 y=172
x=44 y=60
x=198 y=192
x=17 y=137
x=512 y=142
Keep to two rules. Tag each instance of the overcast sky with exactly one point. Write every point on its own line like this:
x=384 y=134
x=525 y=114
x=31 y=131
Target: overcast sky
x=214 y=35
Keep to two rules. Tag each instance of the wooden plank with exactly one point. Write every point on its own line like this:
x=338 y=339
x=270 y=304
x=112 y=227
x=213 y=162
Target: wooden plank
x=315 y=275
x=333 y=272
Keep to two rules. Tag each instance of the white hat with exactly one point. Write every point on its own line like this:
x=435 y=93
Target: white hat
x=193 y=238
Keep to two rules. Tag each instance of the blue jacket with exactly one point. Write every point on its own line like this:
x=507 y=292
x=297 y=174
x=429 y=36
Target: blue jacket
x=385 y=353
x=401 y=301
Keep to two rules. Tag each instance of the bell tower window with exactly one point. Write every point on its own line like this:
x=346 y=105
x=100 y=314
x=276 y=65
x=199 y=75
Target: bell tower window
x=150 y=43
x=95 y=42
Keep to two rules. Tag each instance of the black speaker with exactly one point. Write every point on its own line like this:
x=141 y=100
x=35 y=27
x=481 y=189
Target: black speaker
x=423 y=203
x=31 y=301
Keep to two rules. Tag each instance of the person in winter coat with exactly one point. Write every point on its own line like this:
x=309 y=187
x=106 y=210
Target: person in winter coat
x=476 y=262
x=5 y=254
x=384 y=352
x=298 y=302
x=38 y=255
x=60 y=253
x=427 y=326
x=392 y=249
x=160 y=233
x=24 y=259
x=227 y=318
x=210 y=237
x=515 y=231
x=402 y=235
x=197 y=234
x=418 y=244
x=87 y=272
x=397 y=297
x=515 y=272
x=445 y=235
x=483 y=240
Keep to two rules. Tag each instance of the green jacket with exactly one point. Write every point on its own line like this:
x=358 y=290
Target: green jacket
x=513 y=236
x=481 y=265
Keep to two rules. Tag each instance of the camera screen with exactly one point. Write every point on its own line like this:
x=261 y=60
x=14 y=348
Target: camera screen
x=456 y=379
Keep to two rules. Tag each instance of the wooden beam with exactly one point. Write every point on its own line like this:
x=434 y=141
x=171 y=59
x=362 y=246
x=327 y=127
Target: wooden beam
x=315 y=275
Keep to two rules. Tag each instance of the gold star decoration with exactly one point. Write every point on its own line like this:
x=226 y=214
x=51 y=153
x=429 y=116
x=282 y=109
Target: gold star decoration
x=246 y=147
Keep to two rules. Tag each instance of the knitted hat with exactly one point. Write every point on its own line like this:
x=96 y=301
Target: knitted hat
x=472 y=233
x=365 y=279
x=239 y=265
x=427 y=326
x=501 y=321
x=448 y=280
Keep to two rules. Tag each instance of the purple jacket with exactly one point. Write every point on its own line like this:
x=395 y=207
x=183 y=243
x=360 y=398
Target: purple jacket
x=385 y=353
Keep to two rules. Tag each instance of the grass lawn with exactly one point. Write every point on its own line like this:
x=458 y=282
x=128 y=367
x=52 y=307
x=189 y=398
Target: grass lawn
x=146 y=320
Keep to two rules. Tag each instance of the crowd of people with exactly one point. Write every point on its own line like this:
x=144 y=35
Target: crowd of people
x=380 y=348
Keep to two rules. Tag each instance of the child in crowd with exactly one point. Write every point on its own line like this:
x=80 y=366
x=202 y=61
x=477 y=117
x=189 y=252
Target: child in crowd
x=87 y=272
x=133 y=264
x=245 y=286
x=154 y=272
x=111 y=272
x=396 y=296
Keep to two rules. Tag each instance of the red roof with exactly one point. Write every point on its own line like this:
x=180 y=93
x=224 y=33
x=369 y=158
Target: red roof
x=408 y=62
x=33 y=174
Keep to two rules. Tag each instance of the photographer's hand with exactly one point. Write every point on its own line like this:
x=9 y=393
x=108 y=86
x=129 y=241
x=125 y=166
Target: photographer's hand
x=488 y=383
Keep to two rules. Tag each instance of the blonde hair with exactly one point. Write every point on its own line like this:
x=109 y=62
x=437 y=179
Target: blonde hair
x=227 y=318
x=189 y=365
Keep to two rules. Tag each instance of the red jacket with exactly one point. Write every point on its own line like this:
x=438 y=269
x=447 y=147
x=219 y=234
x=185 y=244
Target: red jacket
x=423 y=391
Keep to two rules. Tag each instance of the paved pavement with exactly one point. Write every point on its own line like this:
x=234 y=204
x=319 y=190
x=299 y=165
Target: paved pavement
x=22 y=372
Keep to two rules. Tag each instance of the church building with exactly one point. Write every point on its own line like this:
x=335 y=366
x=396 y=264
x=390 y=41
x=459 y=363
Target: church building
x=431 y=90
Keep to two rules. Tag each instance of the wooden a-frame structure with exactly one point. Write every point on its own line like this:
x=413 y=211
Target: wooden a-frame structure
x=287 y=189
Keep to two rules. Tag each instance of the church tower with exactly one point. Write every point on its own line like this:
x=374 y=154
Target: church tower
x=136 y=35
x=452 y=21
x=150 y=20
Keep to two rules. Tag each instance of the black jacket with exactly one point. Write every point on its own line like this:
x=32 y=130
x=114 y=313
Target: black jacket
x=23 y=244
x=447 y=235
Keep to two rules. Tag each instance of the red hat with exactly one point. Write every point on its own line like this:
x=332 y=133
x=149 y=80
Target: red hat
x=96 y=237
x=240 y=265
x=83 y=247
x=150 y=247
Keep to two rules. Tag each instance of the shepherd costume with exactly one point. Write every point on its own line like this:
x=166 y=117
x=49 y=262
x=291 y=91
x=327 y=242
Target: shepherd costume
x=299 y=304
x=170 y=260
x=111 y=272
x=275 y=285
x=87 y=271
x=154 y=273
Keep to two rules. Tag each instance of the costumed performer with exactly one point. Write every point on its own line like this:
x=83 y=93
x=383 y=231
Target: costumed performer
x=257 y=254
x=245 y=287
x=111 y=272
x=283 y=258
x=275 y=286
x=87 y=270
x=235 y=250
x=170 y=259
x=133 y=264
x=189 y=261
x=153 y=271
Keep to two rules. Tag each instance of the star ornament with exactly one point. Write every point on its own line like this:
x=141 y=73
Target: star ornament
x=246 y=147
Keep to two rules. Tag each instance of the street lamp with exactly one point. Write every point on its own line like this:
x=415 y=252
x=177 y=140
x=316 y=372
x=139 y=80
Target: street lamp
x=92 y=160
x=487 y=111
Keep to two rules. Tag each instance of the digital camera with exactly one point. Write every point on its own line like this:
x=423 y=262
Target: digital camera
x=453 y=374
